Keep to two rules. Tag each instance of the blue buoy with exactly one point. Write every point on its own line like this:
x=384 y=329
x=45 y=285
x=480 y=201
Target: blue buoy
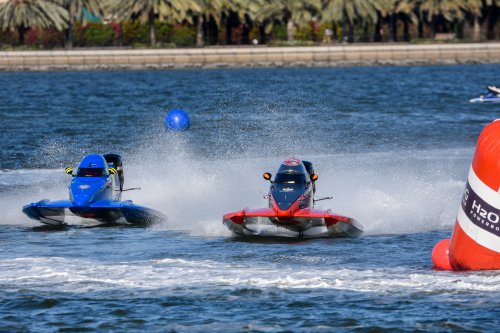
x=177 y=120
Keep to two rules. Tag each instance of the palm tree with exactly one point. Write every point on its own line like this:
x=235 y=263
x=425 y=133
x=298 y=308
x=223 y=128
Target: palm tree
x=292 y=12
x=402 y=9
x=492 y=16
x=209 y=9
x=450 y=10
x=147 y=10
x=25 y=14
x=264 y=20
x=475 y=8
x=75 y=10
x=348 y=12
x=218 y=10
x=247 y=13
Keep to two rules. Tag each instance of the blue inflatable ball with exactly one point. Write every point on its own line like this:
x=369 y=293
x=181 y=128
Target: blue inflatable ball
x=177 y=120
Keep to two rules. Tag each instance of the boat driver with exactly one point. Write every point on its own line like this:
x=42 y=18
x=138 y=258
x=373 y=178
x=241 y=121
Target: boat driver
x=494 y=90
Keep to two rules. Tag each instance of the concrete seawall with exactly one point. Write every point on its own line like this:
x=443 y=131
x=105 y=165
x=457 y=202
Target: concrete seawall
x=337 y=55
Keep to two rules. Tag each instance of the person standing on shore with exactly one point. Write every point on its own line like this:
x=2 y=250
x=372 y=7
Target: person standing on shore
x=327 y=36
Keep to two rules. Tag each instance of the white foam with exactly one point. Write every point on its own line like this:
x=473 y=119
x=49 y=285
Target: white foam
x=78 y=275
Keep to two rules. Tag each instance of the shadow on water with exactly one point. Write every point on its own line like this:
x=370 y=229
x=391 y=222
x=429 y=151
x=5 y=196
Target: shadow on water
x=66 y=227
x=48 y=228
x=282 y=240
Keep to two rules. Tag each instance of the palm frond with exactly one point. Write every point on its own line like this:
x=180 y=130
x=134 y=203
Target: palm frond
x=33 y=13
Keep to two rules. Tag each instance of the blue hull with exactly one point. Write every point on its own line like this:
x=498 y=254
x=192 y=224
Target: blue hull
x=104 y=212
x=486 y=99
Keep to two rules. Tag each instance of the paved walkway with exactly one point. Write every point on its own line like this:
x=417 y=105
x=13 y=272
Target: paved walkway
x=260 y=56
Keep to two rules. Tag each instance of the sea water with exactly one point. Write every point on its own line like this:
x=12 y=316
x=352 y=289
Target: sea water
x=392 y=145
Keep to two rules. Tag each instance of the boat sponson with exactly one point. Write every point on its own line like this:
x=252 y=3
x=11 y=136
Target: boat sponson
x=299 y=221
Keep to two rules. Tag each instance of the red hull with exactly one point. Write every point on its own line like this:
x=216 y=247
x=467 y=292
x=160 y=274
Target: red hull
x=302 y=223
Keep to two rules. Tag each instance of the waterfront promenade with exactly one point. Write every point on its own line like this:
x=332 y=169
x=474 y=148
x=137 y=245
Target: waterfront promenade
x=259 y=56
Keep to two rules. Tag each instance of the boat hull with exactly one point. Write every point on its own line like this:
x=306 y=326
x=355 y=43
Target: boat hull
x=102 y=212
x=485 y=100
x=303 y=224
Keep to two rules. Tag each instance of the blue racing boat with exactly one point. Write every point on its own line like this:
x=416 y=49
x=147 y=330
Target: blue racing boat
x=94 y=194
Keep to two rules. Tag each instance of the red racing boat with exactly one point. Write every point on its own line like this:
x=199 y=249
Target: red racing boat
x=291 y=210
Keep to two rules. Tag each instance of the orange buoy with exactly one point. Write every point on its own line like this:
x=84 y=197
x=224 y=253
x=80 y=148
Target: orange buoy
x=440 y=254
x=475 y=242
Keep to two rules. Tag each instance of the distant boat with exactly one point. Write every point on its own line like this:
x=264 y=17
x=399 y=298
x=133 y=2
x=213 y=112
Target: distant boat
x=492 y=96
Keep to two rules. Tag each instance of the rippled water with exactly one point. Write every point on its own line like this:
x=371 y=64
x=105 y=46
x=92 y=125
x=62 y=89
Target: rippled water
x=391 y=145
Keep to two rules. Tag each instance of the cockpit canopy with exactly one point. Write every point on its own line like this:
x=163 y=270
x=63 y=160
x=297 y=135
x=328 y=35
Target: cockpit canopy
x=91 y=172
x=290 y=183
x=290 y=178
x=93 y=166
x=292 y=171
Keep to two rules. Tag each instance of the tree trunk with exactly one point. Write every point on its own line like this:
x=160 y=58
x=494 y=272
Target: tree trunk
x=69 y=35
x=262 y=34
x=394 y=28
x=420 y=27
x=377 y=36
x=366 y=38
x=476 y=30
x=289 y=30
x=334 y=32
x=492 y=20
x=221 y=39
x=245 y=38
x=459 y=29
x=209 y=30
x=344 y=25
x=229 y=32
x=391 y=28
x=120 y=35
x=21 y=31
x=69 y=31
x=215 y=32
x=406 y=31
x=351 y=33
x=151 y=23
x=199 y=32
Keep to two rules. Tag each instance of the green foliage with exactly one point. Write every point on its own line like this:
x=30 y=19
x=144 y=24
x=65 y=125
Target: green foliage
x=173 y=19
x=99 y=35
x=134 y=32
x=93 y=35
x=304 y=33
x=351 y=10
x=280 y=32
x=174 y=10
x=184 y=35
x=164 y=32
x=78 y=35
x=307 y=33
x=254 y=34
x=137 y=35
x=147 y=10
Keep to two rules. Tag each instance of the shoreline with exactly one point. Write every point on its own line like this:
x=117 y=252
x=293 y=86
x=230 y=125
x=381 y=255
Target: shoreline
x=251 y=57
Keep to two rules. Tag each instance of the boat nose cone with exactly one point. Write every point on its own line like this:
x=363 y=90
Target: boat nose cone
x=80 y=200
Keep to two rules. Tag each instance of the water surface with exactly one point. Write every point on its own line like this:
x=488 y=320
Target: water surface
x=392 y=145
